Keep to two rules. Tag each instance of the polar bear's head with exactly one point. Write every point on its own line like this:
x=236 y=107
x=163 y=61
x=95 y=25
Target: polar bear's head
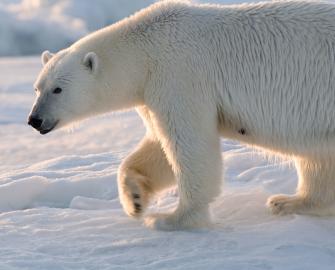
x=64 y=89
x=76 y=83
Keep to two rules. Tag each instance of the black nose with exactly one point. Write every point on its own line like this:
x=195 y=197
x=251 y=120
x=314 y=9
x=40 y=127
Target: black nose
x=35 y=122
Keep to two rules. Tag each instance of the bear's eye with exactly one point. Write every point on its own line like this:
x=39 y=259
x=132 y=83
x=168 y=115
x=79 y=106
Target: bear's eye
x=57 y=90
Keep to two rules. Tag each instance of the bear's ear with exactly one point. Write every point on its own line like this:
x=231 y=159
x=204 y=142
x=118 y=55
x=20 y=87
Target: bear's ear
x=91 y=61
x=46 y=56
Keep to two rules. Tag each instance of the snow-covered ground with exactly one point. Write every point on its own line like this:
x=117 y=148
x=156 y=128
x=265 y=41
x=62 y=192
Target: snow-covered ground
x=60 y=210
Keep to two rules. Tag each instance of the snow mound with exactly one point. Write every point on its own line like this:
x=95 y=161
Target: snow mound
x=60 y=182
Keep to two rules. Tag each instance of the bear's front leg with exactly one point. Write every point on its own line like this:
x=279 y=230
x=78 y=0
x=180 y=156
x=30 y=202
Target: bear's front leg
x=192 y=144
x=141 y=174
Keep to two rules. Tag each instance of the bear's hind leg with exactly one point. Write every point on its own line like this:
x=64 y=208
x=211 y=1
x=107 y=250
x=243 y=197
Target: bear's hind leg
x=315 y=193
x=143 y=173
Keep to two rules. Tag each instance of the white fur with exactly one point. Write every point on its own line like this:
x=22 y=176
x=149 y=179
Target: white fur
x=260 y=73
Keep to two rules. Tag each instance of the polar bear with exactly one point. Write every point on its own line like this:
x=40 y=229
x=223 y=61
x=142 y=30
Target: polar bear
x=261 y=73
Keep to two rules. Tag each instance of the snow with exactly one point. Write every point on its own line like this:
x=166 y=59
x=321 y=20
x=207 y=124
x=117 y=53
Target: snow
x=60 y=210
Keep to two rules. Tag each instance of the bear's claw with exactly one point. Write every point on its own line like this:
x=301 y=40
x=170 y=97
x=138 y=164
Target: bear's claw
x=138 y=208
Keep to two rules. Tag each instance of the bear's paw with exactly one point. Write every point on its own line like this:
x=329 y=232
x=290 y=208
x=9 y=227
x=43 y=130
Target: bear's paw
x=285 y=204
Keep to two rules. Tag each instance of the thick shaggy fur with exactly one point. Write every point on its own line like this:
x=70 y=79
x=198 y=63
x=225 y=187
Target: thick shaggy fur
x=260 y=73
